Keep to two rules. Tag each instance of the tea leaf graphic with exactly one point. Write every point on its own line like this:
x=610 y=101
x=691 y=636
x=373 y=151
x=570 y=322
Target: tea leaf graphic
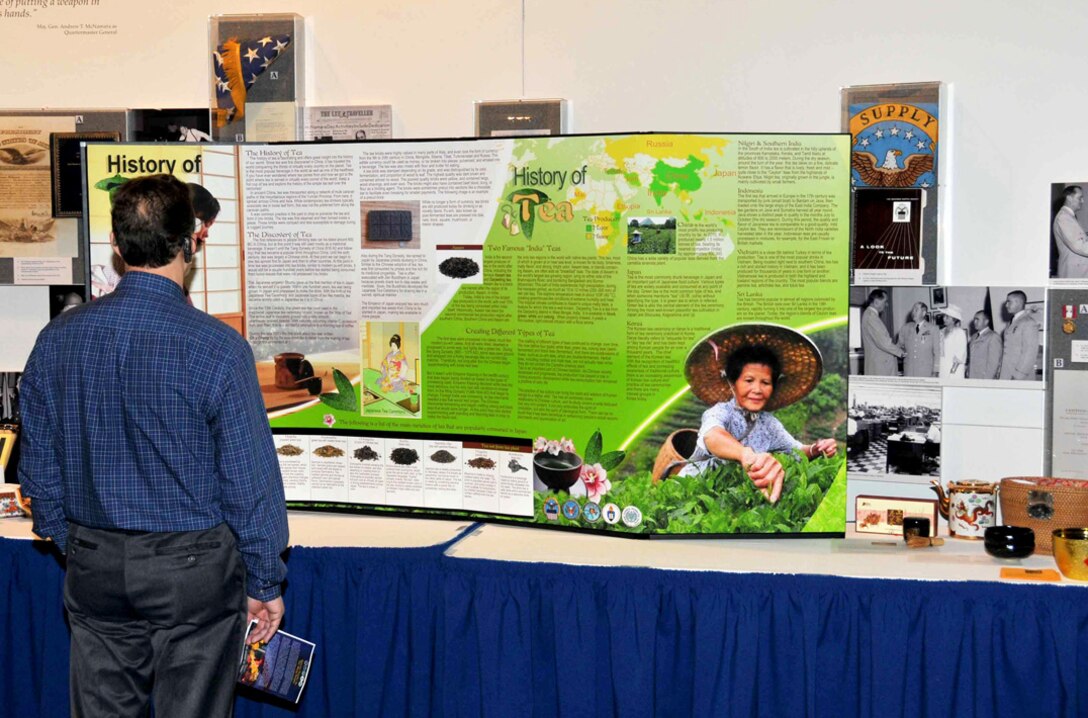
x=343 y=384
x=593 y=448
x=345 y=399
x=340 y=401
x=111 y=184
x=612 y=459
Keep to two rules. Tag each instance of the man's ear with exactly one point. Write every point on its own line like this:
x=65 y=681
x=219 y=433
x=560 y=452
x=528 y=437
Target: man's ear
x=113 y=245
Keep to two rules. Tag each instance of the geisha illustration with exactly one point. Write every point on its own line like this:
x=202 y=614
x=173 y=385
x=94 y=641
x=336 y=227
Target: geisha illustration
x=393 y=367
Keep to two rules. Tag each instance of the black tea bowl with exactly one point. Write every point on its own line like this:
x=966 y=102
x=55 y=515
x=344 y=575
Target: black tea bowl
x=557 y=471
x=1009 y=541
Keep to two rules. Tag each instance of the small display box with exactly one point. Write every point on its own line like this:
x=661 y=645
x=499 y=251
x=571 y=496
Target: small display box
x=885 y=514
x=189 y=124
x=257 y=76
x=505 y=118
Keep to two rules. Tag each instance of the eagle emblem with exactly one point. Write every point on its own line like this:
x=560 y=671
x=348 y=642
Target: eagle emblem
x=26 y=233
x=889 y=173
x=24 y=155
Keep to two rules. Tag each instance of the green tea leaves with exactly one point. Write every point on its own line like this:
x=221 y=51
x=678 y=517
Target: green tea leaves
x=722 y=500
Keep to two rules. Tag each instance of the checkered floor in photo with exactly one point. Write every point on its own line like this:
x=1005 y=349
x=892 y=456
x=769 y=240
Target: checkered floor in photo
x=874 y=460
x=871 y=461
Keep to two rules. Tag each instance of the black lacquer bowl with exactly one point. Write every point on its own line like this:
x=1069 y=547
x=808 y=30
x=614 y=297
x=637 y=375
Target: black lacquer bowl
x=557 y=471
x=1009 y=541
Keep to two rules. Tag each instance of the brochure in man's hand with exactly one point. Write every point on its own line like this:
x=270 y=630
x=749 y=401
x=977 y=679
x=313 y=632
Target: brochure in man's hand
x=278 y=666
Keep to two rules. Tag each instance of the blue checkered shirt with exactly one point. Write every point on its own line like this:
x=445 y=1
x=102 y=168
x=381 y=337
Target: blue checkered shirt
x=140 y=412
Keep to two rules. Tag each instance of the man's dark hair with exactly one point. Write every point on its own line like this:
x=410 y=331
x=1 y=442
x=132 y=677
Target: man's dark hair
x=752 y=354
x=205 y=205
x=152 y=220
x=1070 y=191
x=1018 y=293
x=877 y=294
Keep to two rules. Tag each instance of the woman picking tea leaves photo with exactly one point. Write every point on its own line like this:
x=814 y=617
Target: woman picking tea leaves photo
x=745 y=372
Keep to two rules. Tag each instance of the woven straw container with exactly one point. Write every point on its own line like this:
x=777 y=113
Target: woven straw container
x=674 y=453
x=1044 y=503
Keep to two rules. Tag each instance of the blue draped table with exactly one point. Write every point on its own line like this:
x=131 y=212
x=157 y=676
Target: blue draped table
x=418 y=632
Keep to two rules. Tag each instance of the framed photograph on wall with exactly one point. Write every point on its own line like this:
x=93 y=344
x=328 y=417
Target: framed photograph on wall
x=938 y=299
x=1037 y=311
x=1067 y=226
x=67 y=167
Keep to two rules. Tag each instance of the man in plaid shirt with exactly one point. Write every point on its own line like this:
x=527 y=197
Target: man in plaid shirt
x=150 y=462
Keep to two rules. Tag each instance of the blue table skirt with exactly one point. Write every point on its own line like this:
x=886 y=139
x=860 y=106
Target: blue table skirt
x=412 y=632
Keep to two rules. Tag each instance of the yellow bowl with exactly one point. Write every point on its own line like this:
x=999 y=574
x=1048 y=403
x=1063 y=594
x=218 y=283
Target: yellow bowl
x=1071 y=553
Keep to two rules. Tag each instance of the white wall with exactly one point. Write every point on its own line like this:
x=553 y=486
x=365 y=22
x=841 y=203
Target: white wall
x=1015 y=69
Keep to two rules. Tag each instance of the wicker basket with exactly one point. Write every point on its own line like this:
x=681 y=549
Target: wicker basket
x=674 y=453
x=1044 y=503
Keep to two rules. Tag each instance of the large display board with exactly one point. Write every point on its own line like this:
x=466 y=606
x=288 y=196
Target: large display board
x=507 y=327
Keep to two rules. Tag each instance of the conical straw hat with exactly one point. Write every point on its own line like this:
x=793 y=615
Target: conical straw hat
x=799 y=359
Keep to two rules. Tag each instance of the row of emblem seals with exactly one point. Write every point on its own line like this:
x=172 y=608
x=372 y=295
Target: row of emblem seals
x=592 y=512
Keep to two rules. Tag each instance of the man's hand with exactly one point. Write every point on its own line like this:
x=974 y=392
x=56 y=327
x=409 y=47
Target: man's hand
x=268 y=615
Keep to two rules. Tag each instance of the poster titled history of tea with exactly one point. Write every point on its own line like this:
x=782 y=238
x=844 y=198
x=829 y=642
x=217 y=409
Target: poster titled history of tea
x=642 y=334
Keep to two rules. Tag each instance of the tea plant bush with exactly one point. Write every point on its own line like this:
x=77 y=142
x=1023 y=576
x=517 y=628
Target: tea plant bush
x=723 y=500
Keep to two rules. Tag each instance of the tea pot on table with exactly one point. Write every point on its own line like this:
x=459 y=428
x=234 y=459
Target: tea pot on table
x=969 y=506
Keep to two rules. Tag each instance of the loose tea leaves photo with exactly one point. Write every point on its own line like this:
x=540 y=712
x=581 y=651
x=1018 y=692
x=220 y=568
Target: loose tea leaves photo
x=459 y=267
x=365 y=453
x=404 y=456
x=443 y=457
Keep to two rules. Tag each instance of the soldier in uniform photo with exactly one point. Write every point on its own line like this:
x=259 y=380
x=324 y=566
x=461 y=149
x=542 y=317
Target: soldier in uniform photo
x=984 y=349
x=1020 y=340
x=920 y=340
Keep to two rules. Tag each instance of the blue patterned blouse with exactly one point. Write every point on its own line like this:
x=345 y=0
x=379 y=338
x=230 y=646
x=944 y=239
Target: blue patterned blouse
x=763 y=433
